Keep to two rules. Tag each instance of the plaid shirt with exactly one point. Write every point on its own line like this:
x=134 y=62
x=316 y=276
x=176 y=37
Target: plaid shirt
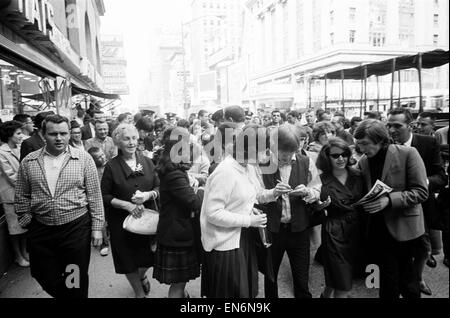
x=77 y=191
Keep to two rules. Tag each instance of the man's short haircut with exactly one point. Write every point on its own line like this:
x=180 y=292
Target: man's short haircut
x=355 y=120
x=373 y=115
x=320 y=114
x=99 y=122
x=55 y=119
x=145 y=124
x=322 y=128
x=8 y=129
x=288 y=138
x=276 y=111
x=74 y=124
x=430 y=115
x=39 y=119
x=202 y=112
x=183 y=123
x=373 y=129
x=22 y=118
x=122 y=117
x=323 y=160
x=294 y=114
x=399 y=111
x=92 y=151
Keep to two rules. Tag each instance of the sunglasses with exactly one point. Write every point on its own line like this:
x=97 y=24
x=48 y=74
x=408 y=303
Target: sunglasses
x=337 y=155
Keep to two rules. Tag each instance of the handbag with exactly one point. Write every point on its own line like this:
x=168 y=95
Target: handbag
x=147 y=224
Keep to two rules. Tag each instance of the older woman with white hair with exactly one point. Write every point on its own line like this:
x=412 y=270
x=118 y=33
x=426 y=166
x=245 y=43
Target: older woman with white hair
x=124 y=175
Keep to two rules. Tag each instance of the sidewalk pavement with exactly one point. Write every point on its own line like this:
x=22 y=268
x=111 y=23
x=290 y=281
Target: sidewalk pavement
x=105 y=283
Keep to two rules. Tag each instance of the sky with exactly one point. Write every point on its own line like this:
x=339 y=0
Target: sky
x=135 y=19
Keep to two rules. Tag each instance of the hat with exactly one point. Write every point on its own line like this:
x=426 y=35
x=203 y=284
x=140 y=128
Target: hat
x=171 y=115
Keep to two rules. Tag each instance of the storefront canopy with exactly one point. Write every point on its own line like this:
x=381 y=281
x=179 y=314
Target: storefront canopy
x=430 y=59
x=75 y=91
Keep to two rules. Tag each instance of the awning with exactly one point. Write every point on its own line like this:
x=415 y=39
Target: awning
x=430 y=59
x=75 y=91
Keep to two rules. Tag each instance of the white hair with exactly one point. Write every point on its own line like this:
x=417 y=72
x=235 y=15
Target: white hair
x=119 y=131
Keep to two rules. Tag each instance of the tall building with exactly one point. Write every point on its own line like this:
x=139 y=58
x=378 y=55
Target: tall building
x=295 y=40
x=114 y=65
x=216 y=26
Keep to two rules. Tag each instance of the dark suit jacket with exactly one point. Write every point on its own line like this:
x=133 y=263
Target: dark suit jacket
x=404 y=171
x=429 y=149
x=30 y=145
x=300 y=214
x=178 y=201
x=86 y=132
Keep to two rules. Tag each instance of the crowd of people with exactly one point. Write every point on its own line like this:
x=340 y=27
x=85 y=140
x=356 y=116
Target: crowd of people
x=219 y=181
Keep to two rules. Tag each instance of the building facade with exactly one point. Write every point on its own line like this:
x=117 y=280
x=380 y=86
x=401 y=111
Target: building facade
x=295 y=40
x=114 y=65
x=46 y=46
x=215 y=37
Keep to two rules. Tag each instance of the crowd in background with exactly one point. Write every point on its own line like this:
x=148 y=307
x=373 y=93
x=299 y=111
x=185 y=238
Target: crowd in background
x=66 y=184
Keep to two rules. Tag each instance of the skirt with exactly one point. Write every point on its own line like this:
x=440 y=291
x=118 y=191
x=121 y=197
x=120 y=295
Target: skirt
x=12 y=220
x=175 y=264
x=129 y=251
x=231 y=274
x=340 y=237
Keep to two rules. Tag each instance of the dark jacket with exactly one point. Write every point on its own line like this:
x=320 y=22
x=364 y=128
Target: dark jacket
x=32 y=144
x=342 y=197
x=429 y=149
x=300 y=220
x=178 y=201
x=86 y=132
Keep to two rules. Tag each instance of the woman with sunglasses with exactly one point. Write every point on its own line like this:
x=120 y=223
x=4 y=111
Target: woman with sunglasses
x=341 y=230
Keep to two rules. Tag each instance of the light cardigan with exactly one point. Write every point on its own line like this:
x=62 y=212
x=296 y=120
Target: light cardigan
x=230 y=193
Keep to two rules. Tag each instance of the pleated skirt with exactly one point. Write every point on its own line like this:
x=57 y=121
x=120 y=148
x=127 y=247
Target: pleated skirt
x=231 y=274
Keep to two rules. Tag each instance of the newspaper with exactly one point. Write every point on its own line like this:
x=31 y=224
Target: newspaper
x=378 y=190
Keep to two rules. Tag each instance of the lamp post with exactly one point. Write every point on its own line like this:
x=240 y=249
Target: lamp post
x=185 y=89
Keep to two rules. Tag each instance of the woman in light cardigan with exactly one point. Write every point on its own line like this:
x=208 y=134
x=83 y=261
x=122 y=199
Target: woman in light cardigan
x=230 y=267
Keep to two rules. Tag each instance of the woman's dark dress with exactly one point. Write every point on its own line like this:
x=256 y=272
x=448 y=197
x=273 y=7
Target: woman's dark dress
x=130 y=251
x=341 y=232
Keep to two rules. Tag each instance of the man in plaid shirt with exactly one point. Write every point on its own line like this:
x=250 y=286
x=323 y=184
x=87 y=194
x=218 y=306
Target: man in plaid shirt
x=58 y=198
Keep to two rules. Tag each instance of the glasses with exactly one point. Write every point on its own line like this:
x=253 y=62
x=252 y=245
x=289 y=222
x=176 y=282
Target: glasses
x=337 y=155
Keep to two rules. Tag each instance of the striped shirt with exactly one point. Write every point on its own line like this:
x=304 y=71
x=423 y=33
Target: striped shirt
x=76 y=193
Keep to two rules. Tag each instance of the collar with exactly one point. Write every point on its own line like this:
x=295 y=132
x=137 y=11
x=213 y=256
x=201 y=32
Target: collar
x=47 y=154
x=128 y=171
x=5 y=147
x=101 y=141
x=409 y=141
x=71 y=151
x=235 y=164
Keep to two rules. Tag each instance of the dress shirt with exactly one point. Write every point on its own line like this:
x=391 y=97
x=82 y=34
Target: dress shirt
x=77 y=192
x=409 y=141
x=314 y=186
x=52 y=167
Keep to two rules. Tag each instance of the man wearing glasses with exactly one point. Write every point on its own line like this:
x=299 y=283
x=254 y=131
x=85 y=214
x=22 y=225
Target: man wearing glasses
x=400 y=125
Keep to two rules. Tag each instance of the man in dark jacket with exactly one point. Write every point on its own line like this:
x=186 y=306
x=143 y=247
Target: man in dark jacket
x=36 y=141
x=288 y=218
x=401 y=130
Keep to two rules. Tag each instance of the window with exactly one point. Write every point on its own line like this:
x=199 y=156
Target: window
x=331 y=17
x=435 y=40
x=436 y=20
x=352 y=14
x=332 y=38
x=352 y=36
x=377 y=39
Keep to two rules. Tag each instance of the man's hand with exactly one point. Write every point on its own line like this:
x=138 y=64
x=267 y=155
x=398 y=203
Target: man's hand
x=97 y=238
x=377 y=205
x=282 y=188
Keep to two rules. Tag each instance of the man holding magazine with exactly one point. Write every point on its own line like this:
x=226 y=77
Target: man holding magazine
x=396 y=219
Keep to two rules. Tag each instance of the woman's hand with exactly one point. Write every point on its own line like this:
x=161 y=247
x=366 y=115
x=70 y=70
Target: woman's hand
x=258 y=220
x=140 y=198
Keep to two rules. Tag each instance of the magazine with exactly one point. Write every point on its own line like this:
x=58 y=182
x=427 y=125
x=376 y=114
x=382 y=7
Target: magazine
x=378 y=190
